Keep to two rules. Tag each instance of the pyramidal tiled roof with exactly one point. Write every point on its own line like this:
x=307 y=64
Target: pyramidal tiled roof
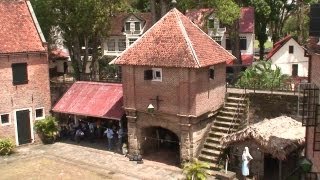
x=174 y=41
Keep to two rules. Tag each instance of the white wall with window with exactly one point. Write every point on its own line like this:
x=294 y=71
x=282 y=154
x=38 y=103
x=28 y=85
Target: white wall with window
x=246 y=43
x=154 y=74
x=291 y=59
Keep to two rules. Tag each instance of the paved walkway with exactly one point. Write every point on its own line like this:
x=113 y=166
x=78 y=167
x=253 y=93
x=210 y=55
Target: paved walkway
x=112 y=165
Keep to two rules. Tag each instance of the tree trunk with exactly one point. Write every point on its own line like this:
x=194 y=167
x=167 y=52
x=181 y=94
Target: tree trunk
x=153 y=11
x=235 y=47
x=86 y=55
x=164 y=7
x=74 y=49
x=95 y=56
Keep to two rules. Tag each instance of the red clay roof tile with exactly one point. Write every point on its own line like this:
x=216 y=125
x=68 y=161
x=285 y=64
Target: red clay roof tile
x=174 y=41
x=18 y=32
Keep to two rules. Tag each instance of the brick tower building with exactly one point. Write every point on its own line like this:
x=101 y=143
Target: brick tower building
x=180 y=71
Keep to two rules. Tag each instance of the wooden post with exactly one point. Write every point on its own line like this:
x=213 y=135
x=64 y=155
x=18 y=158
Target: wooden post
x=280 y=170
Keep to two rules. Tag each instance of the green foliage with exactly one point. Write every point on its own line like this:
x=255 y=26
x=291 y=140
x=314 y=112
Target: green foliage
x=47 y=129
x=195 y=170
x=262 y=76
x=6 y=147
x=228 y=11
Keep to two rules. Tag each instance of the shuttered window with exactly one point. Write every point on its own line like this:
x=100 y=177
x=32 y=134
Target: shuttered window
x=19 y=73
x=243 y=43
x=148 y=74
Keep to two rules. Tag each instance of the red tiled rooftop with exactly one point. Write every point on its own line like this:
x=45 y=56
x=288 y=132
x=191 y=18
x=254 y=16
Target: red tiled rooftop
x=102 y=100
x=58 y=54
x=246 y=24
x=117 y=22
x=278 y=45
x=18 y=32
x=174 y=41
x=246 y=59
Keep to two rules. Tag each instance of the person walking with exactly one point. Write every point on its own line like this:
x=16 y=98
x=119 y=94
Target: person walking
x=109 y=133
x=120 y=136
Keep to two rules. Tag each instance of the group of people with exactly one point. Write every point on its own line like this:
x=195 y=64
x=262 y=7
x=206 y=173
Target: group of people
x=92 y=130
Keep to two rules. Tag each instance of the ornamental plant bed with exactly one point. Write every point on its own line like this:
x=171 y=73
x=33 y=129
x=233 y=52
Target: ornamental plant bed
x=47 y=129
x=6 y=147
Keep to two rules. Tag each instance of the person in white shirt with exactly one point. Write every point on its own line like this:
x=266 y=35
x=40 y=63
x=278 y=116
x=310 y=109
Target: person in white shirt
x=109 y=133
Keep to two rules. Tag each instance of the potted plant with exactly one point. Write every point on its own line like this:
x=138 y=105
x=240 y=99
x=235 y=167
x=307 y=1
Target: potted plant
x=47 y=129
x=6 y=147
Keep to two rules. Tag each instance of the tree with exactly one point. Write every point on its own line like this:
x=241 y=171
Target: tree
x=83 y=22
x=195 y=170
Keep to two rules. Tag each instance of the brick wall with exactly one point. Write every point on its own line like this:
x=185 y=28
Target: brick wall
x=182 y=91
x=315 y=69
x=269 y=106
x=35 y=94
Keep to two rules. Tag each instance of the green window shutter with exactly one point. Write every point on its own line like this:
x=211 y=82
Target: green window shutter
x=19 y=73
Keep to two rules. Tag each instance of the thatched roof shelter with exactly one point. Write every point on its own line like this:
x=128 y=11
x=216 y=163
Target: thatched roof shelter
x=278 y=137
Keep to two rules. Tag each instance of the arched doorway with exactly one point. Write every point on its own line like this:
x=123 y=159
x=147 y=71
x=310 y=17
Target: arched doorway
x=161 y=145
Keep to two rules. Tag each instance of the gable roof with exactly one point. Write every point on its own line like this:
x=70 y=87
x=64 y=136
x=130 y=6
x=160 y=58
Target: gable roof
x=278 y=46
x=117 y=22
x=18 y=28
x=174 y=41
x=246 y=23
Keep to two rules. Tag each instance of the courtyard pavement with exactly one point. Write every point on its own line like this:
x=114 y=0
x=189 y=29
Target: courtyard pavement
x=71 y=161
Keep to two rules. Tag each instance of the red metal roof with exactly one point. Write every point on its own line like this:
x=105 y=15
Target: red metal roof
x=174 y=41
x=278 y=45
x=247 y=60
x=18 y=32
x=103 y=100
x=246 y=23
x=117 y=22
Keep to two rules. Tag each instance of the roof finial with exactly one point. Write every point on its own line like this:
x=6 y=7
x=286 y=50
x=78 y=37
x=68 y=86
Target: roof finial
x=173 y=3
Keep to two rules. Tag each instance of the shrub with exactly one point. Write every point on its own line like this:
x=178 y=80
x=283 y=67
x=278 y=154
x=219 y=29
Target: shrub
x=6 y=147
x=47 y=129
x=195 y=170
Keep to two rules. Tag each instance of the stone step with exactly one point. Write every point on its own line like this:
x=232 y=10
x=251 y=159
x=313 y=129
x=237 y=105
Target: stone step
x=221 y=129
x=213 y=140
x=234 y=125
x=236 y=98
x=233 y=104
x=231 y=108
x=231 y=113
x=225 y=118
x=217 y=134
x=212 y=144
x=211 y=152
x=208 y=158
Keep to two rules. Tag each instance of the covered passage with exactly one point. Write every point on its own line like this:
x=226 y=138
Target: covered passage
x=89 y=109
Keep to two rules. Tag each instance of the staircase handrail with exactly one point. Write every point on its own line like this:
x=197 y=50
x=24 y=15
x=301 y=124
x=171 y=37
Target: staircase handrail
x=236 y=115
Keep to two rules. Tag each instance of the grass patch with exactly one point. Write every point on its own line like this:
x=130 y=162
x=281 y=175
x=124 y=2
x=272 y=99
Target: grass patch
x=267 y=44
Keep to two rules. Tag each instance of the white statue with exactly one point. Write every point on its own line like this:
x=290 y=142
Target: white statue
x=246 y=157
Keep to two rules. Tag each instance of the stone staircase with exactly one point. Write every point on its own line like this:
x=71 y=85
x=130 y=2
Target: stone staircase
x=227 y=121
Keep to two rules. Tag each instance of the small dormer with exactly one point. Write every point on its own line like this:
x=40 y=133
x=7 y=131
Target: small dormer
x=213 y=24
x=133 y=25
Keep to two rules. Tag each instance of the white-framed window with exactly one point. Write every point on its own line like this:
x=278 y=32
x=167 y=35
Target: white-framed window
x=217 y=39
x=39 y=113
x=156 y=74
x=243 y=43
x=111 y=45
x=127 y=26
x=5 y=119
x=132 y=40
x=137 y=26
x=122 y=44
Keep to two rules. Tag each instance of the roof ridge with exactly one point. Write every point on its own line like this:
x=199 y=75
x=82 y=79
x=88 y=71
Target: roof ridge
x=186 y=37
